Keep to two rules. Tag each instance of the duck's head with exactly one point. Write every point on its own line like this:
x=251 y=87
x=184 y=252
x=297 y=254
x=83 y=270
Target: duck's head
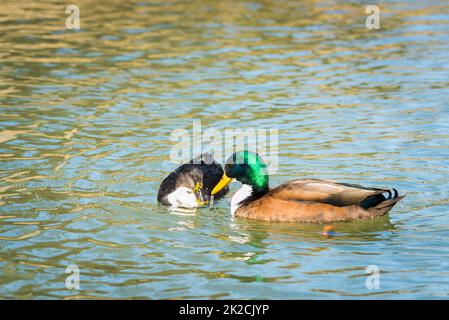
x=246 y=167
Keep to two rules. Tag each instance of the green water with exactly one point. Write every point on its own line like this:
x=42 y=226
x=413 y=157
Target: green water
x=85 y=124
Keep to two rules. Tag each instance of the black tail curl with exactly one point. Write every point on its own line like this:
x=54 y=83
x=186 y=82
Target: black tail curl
x=378 y=199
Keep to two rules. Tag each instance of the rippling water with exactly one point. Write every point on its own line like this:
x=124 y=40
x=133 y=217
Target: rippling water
x=85 y=124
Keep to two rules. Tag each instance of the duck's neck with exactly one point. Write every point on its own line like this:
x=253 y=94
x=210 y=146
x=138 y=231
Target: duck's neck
x=245 y=195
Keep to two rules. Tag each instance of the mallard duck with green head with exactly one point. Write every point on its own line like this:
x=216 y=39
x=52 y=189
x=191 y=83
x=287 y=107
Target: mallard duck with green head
x=301 y=200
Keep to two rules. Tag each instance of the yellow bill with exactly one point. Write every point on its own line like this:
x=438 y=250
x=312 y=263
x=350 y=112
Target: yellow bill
x=220 y=185
x=198 y=195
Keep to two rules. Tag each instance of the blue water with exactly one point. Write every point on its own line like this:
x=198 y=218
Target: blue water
x=85 y=124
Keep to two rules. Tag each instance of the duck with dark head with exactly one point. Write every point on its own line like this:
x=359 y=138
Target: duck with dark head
x=190 y=185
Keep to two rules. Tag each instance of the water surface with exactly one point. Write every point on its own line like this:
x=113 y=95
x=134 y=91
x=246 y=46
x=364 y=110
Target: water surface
x=85 y=124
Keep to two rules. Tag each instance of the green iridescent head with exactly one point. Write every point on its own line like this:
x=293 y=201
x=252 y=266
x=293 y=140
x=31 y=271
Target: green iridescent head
x=248 y=168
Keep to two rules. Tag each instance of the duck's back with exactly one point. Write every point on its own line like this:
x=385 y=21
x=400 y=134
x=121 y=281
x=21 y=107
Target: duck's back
x=315 y=200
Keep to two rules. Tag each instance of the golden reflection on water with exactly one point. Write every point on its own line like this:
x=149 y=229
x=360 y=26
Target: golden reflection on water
x=85 y=123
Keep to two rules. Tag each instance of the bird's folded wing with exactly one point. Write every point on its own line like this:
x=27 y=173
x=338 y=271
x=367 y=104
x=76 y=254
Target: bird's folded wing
x=316 y=190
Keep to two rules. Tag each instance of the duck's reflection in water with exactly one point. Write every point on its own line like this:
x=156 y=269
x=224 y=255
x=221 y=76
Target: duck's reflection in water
x=264 y=237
